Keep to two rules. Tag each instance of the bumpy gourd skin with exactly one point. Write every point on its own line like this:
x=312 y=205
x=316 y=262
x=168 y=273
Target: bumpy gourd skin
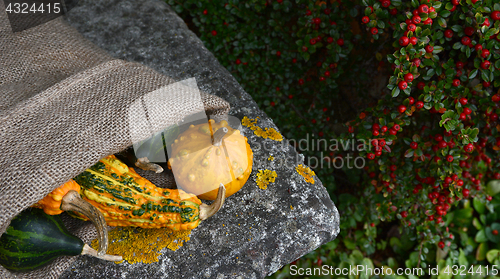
x=199 y=166
x=127 y=199
x=51 y=204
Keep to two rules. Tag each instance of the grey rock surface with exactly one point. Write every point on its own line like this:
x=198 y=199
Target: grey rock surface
x=261 y=231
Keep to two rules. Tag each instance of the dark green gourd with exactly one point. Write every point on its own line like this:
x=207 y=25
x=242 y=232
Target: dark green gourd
x=34 y=239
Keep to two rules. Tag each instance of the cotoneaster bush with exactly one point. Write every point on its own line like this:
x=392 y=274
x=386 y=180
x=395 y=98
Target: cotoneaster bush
x=432 y=130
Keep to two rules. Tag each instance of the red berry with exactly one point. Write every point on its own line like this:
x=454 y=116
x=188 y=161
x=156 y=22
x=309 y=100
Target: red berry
x=495 y=98
x=316 y=20
x=412 y=27
x=401 y=108
x=408 y=77
x=371 y=156
x=416 y=19
x=403 y=85
x=469 y=31
x=485 y=64
x=423 y=9
x=485 y=53
x=205 y=12
x=294 y=60
x=383 y=129
x=428 y=21
x=273 y=104
x=413 y=40
x=374 y=30
x=238 y=61
x=489 y=198
x=381 y=142
x=486 y=84
x=455 y=2
x=453 y=9
x=463 y=101
x=327 y=11
x=449 y=158
x=404 y=41
x=393 y=132
x=329 y=40
x=372 y=225
x=365 y=19
x=466 y=192
x=416 y=62
x=494 y=232
x=456 y=82
x=441 y=244
x=411 y=100
x=404 y=214
x=304 y=48
x=419 y=105
x=321 y=78
x=214 y=33
x=290 y=96
x=327 y=73
x=448 y=33
x=308 y=13
x=396 y=127
x=320 y=134
x=467 y=111
x=312 y=41
x=459 y=65
x=429 y=49
x=495 y=15
x=301 y=81
x=421 y=85
x=413 y=145
x=442 y=144
x=386 y=3
x=465 y=40
x=486 y=22
x=460 y=183
x=340 y=42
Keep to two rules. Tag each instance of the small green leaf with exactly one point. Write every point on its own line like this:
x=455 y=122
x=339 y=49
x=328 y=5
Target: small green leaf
x=480 y=236
x=478 y=205
x=442 y=22
x=395 y=92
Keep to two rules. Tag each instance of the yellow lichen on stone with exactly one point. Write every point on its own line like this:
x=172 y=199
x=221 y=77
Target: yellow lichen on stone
x=264 y=177
x=266 y=134
x=306 y=172
x=271 y=158
x=138 y=245
x=291 y=207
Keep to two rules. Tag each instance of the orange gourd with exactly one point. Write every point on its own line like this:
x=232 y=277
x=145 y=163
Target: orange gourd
x=206 y=155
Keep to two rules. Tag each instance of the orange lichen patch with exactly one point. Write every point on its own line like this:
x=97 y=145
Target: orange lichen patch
x=264 y=177
x=258 y=131
x=306 y=172
x=138 y=245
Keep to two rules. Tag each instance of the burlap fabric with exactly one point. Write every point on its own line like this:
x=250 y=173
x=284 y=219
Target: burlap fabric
x=64 y=105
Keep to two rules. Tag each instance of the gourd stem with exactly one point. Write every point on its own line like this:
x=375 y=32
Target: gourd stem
x=73 y=202
x=218 y=135
x=207 y=211
x=87 y=250
x=143 y=163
